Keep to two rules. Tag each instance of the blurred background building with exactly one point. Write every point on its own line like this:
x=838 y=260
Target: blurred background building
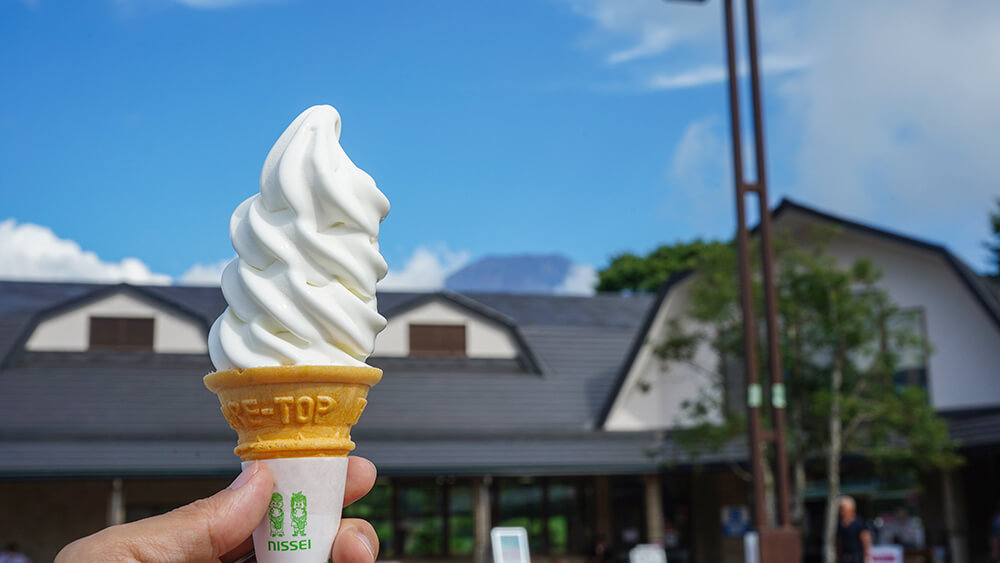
x=540 y=411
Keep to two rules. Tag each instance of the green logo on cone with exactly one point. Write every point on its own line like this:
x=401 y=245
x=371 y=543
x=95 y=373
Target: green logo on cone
x=299 y=514
x=276 y=513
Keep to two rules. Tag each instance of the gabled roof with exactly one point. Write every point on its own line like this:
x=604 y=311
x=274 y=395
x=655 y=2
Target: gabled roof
x=454 y=298
x=443 y=414
x=23 y=325
x=478 y=309
x=982 y=290
x=637 y=343
x=985 y=292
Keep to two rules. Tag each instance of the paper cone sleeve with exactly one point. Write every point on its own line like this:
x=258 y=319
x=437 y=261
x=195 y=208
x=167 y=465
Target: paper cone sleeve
x=293 y=411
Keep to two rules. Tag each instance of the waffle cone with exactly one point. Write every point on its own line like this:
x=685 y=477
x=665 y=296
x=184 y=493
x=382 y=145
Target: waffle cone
x=293 y=411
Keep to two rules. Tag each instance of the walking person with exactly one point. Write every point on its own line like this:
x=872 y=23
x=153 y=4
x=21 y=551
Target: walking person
x=854 y=540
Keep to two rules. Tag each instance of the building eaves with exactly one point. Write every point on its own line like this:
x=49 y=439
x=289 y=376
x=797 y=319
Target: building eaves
x=403 y=455
x=974 y=428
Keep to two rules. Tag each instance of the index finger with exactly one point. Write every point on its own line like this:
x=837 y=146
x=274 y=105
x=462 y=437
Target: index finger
x=361 y=475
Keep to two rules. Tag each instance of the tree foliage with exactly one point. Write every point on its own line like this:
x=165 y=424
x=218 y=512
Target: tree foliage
x=647 y=273
x=843 y=345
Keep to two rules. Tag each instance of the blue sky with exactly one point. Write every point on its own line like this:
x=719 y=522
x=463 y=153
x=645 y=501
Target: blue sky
x=133 y=128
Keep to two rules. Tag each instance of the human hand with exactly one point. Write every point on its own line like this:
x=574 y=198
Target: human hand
x=218 y=528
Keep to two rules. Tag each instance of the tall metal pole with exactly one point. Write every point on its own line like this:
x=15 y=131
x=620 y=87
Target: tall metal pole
x=783 y=544
x=767 y=265
x=754 y=394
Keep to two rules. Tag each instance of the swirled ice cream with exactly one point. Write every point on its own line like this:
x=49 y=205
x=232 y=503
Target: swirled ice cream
x=302 y=289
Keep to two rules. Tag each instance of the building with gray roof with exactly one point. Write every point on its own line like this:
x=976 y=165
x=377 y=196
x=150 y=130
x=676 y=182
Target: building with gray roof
x=494 y=409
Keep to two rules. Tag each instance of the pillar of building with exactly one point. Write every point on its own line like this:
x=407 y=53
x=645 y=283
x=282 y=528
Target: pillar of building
x=602 y=508
x=954 y=521
x=116 y=503
x=654 y=508
x=481 y=513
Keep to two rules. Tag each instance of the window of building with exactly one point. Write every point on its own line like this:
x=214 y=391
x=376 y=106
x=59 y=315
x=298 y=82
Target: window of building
x=565 y=518
x=461 y=519
x=423 y=518
x=910 y=347
x=420 y=519
x=435 y=518
x=376 y=508
x=551 y=510
x=520 y=504
x=437 y=340
x=119 y=333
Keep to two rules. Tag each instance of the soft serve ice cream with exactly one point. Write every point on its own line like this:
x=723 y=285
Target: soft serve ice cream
x=290 y=350
x=302 y=290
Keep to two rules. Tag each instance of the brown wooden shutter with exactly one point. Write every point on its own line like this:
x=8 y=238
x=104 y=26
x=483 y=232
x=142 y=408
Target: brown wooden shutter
x=437 y=340
x=115 y=333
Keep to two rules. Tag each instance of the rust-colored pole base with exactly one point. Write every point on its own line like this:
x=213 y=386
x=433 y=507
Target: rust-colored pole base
x=780 y=545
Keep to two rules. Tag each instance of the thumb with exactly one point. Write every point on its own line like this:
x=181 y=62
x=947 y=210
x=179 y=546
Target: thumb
x=201 y=531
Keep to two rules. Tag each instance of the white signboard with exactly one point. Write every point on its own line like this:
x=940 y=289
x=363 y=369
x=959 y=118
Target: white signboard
x=751 y=548
x=887 y=554
x=510 y=545
x=647 y=553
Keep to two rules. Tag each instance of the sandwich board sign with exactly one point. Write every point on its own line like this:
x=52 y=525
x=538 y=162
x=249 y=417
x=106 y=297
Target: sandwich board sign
x=510 y=545
x=647 y=553
x=887 y=554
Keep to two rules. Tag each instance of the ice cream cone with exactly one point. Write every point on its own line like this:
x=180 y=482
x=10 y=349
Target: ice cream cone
x=301 y=292
x=293 y=411
x=296 y=420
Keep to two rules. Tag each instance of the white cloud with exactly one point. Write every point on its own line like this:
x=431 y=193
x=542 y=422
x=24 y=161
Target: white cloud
x=700 y=147
x=34 y=252
x=899 y=115
x=701 y=179
x=648 y=28
x=688 y=79
x=717 y=74
x=886 y=112
x=204 y=274
x=425 y=270
x=581 y=279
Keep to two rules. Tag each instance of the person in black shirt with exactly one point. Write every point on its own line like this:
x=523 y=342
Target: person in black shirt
x=854 y=541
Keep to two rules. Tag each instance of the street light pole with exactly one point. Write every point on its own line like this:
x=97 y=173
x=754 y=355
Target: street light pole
x=778 y=400
x=782 y=544
x=754 y=390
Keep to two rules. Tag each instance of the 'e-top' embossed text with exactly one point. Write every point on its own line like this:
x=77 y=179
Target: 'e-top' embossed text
x=288 y=409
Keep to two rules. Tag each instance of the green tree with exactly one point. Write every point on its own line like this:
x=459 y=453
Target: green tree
x=647 y=273
x=994 y=245
x=842 y=344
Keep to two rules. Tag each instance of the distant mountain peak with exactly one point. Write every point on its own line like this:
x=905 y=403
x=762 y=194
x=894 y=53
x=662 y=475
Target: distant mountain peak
x=523 y=273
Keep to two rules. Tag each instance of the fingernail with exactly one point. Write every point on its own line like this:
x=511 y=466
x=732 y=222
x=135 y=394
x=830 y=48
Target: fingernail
x=245 y=476
x=368 y=543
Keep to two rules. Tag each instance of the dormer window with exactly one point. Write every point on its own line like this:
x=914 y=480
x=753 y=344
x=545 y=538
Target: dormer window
x=121 y=333
x=437 y=340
